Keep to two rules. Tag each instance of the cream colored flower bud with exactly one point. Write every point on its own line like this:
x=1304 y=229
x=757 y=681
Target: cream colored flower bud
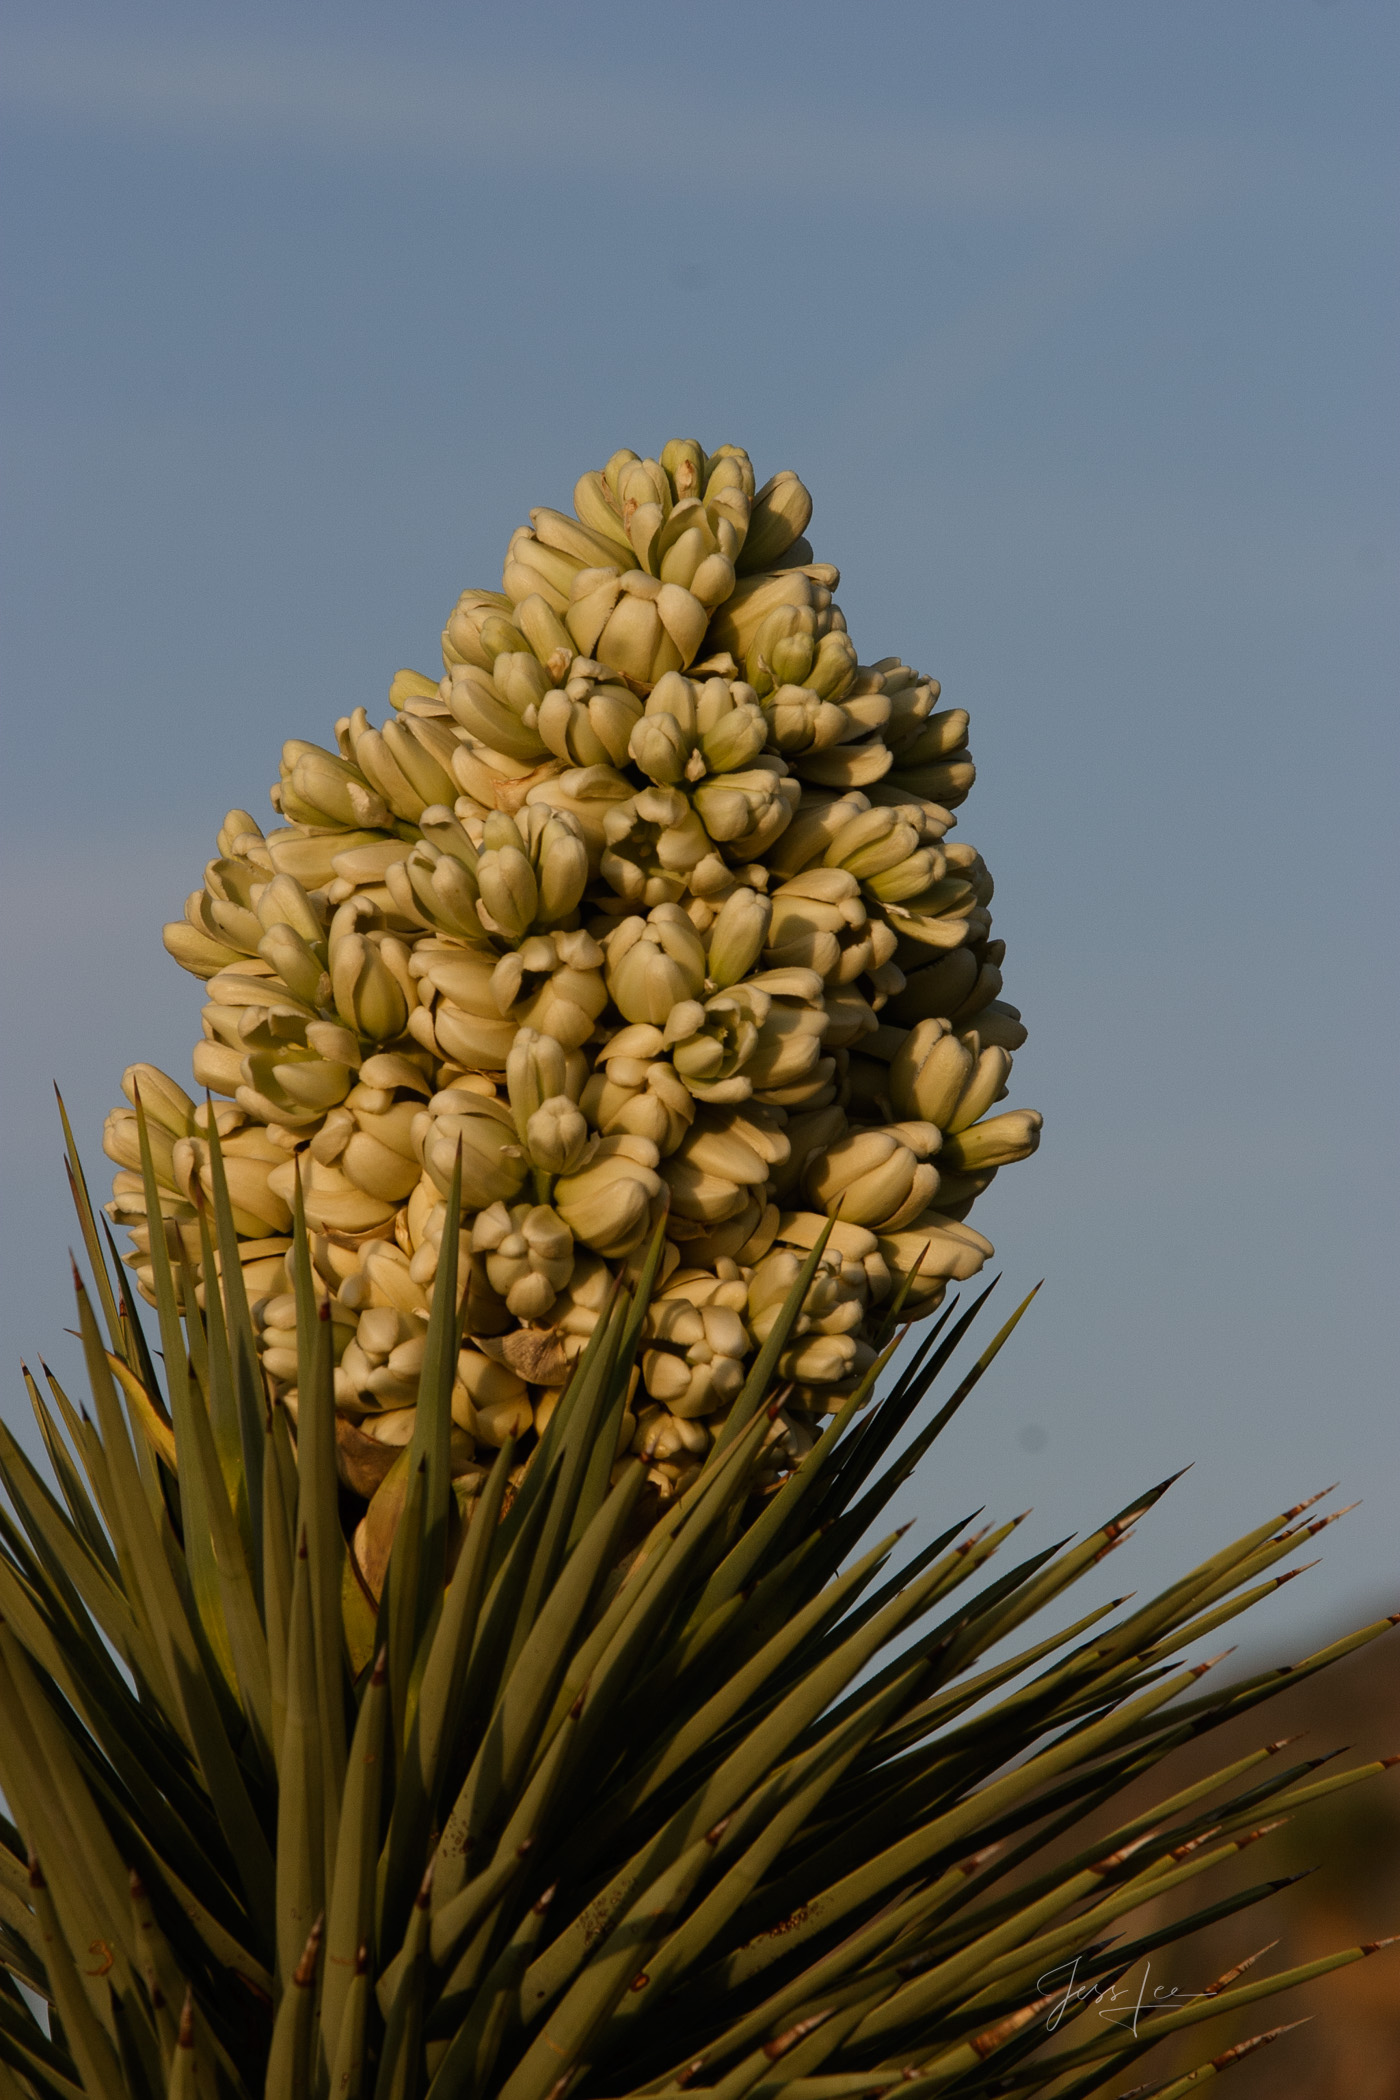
x=320 y=788
x=987 y=1082
x=588 y=725
x=561 y=864
x=368 y=997
x=738 y=935
x=735 y=807
x=539 y=1069
x=121 y=1141
x=800 y=720
x=928 y=1073
x=608 y=1203
x=556 y=1136
x=995 y=1143
x=699 y=1368
x=462 y=638
x=646 y=1097
x=333 y=1203
x=652 y=844
x=735 y=738
x=529 y=1254
x=871 y=1178
x=489 y=1400
x=790 y=1037
x=783 y=650
x=194 y=951
x=493 y=1161
x=655 y=963
x=819 y=1359
x=506 y=880
x=660 y=746
x=779 y=515
x=167 y=1106
x=933 y=1253
x=552 y=983
x=478 y=703
x=296 y=963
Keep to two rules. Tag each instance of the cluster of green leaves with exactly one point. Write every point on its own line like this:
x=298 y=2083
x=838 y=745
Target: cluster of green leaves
x=730 y=1803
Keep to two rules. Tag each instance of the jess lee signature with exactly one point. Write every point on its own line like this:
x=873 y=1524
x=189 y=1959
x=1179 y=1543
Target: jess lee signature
x=1120 y=2004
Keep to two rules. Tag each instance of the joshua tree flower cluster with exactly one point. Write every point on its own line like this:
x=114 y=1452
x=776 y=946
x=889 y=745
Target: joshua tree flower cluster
x=649 y=906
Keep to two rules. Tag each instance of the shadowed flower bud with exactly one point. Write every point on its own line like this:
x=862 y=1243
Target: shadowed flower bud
x=738 y=936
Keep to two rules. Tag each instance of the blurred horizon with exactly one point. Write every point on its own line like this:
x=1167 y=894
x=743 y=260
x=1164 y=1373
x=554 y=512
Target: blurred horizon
x=1080 y=325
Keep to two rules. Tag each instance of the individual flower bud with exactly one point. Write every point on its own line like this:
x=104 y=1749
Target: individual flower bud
x=469 y=1024
x=320 y=788
x=561 y=863
x=933 y=1254
x=698 y=1366
x=711 y=1045
x=820 y=1359
x=121 y=1141
x=737 y=806
x=295 y=961
x=738 y=935
x=660 y=746
x=589 y=724
x=871 y=1178
x=800 y=720
x=986 y=1083
x=780 y=514
x=368 y=997
x=168 y=1107
x=652 y=844
x=995 y=1143
x=529 y=1254
x=638 y=1091
x=556 y=1136
x=790 y=1035
x=539 y=1069
x=928 y=1072
x=489 y=1400
x=608 y=1203
x=654 y=963
x=333 y=1203
x=506 y=881
x=736 y=734
x=478 y=703
x=552 y=983
x=493 y=1161
x=462 y=640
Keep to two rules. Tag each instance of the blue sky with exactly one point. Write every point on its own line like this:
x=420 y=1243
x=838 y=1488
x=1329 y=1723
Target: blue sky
x=1079 y=321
